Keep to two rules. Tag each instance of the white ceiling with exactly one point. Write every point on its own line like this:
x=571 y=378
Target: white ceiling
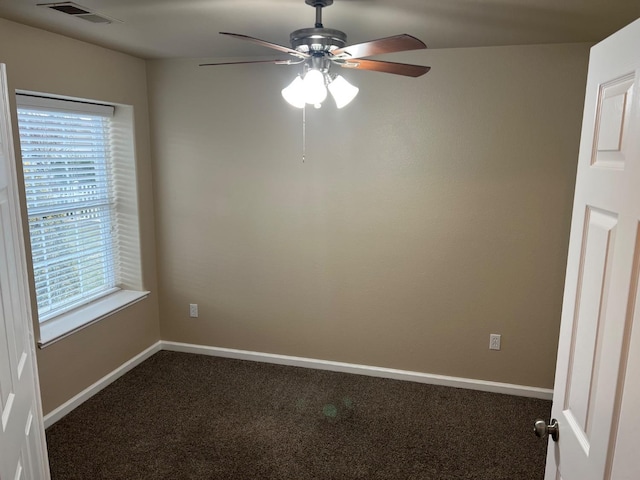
x=189 y=28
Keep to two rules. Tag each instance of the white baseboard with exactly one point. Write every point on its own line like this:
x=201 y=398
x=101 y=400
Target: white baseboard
x=482 y=385
x=55 y=415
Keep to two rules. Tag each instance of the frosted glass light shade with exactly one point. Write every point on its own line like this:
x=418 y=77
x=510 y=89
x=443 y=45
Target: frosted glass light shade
x=294 y=93
x=314 y=90
x=342 y=91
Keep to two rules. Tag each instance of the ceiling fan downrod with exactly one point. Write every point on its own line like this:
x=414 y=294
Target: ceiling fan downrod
x=319 y=5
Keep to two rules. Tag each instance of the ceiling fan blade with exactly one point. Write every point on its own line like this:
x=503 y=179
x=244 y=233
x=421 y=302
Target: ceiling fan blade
x=277 y=62
x=264 y=43
x=387 y=67
x=397 y=43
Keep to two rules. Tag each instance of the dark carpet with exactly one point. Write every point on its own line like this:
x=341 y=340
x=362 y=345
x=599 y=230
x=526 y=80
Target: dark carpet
x=183 y=416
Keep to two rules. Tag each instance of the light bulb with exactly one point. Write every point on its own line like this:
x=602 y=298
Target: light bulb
x=342 y=91
x=314 y=90
x=294 y=93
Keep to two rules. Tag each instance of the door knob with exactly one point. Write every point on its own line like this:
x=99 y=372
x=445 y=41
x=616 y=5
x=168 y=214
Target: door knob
x=541 y=429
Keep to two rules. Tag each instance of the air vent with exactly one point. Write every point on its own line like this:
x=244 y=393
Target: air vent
x=78 y=11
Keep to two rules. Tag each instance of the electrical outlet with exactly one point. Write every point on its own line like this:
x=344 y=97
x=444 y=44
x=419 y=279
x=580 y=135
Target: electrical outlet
x=494 y=341
x=193 y=310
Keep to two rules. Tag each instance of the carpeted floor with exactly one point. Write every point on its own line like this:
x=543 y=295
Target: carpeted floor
x=180 y=416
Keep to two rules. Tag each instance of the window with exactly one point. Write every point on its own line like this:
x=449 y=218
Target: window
x=82 y=239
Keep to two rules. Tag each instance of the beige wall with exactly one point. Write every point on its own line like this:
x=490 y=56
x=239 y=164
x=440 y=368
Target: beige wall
x=40 y=61
x=428 y=214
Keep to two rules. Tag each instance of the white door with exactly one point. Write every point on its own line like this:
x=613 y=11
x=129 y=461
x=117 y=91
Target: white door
x=597 y=386
x=22 y=442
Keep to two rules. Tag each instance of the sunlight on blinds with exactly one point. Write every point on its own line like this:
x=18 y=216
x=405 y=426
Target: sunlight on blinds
x=67 y=172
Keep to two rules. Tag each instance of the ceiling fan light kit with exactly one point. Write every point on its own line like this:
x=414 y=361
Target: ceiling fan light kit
x=312 y=89
x=318 y=48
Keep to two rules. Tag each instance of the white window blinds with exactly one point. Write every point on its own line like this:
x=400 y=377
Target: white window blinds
x=66 y=153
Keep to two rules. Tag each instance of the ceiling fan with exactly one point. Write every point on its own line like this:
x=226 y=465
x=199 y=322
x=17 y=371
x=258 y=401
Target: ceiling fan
x=318 y=48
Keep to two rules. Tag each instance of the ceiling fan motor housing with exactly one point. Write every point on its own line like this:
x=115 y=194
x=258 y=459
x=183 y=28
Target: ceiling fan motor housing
x=317 y=40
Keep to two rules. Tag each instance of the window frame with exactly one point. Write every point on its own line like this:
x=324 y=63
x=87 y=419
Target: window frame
x=92 y=309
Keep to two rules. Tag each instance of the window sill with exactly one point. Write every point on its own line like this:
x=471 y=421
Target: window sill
x=68 y=323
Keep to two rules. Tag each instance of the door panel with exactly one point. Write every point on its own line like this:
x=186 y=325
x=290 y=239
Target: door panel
x=592 y=289
x=611 y=138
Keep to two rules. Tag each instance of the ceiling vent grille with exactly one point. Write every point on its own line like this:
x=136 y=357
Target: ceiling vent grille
x=78 y=11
